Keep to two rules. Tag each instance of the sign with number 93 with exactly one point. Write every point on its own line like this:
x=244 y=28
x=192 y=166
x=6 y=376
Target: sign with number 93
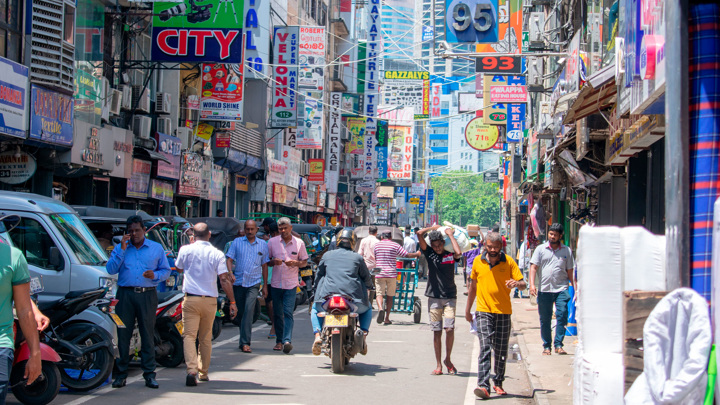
x=471 y=21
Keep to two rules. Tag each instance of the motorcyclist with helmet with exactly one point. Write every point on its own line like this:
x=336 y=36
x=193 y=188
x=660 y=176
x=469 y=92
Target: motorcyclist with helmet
x=342 y=271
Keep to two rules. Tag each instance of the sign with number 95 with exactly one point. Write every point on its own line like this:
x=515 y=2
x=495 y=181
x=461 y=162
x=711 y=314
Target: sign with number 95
x=471 y=21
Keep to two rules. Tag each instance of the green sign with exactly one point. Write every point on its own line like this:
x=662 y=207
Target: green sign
x=498 y=117
x=196 y=14
x=525 y=41
x=283 y=114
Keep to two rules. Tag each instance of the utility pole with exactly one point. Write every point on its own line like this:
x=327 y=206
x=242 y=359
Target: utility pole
x=513 y=203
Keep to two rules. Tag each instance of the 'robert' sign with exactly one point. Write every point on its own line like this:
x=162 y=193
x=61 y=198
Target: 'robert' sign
x=207 y=32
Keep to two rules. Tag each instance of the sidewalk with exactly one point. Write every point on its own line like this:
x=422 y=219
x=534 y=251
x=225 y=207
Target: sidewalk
x=550 y=376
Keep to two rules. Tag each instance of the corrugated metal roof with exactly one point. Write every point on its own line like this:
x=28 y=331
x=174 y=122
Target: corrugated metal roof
x=247 y=140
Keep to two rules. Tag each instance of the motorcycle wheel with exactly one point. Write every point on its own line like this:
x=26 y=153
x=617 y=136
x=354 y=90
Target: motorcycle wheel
x=216 y=328
x=176 y=356
x=336 y=353
x=40 y=392
x=94 y=368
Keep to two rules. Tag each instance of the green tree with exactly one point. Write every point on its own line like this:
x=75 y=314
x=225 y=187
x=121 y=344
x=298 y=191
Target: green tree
x=463 y=198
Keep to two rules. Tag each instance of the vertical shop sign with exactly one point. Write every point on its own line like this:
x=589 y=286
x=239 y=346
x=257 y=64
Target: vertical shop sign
x=310 y=120
x=516 y=122
x=222 y=92
x=316 y=171
x=382 y=149
x=356 y=127
x=334 y=143
x=374 y=47
x=13 y=98
x=257 y=38
x=285 y=77
x=137 y=185
x=401 y=152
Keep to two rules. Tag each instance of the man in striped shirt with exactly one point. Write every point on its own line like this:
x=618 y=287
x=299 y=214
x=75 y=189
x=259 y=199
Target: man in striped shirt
x=250 y=256
x=386 y=254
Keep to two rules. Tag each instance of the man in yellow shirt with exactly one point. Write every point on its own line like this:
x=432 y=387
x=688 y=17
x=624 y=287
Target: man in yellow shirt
x=493 y=277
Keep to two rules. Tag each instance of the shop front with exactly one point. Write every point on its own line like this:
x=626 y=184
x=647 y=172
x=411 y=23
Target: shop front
x=165 y=173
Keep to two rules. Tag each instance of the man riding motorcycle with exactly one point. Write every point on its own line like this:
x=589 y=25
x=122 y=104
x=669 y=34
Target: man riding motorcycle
x=342 y=271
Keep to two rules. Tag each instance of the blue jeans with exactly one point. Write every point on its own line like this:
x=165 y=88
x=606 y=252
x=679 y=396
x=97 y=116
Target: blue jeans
x=364 y=314
x=283 y=307
x=6 y=361
x=545 y=306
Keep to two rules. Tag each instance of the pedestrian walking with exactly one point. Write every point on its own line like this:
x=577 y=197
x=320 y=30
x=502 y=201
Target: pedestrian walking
x=267 y=290
x=441 y=292
x=554 y=262
x=386 y=253
x=202 y=264
x=409 y=243
x=494 y=275
x=248 y=257
x=287 y=254
x=140 y=265
x=367 y=247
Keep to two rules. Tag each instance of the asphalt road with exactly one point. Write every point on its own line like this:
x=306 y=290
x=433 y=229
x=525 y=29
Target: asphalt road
x=396 y=370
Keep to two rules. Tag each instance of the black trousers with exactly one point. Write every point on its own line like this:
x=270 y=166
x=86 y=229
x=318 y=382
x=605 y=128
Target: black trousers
x=133 y=306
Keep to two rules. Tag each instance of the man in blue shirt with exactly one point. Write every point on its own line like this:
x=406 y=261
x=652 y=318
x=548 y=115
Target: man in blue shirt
x=250 y=256
x=140 y=266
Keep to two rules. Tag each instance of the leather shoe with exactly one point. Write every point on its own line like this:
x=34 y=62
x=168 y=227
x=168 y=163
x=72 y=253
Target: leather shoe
x=191 y=380
x=119 y=382
x=151 y=383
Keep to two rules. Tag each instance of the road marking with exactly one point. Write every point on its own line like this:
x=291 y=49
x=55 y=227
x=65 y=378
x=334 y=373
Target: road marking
x=387 y=341
x=470 y=397
x=324 y=375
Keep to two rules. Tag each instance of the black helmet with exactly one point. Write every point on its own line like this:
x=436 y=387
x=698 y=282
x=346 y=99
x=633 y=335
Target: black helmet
x=346 y=239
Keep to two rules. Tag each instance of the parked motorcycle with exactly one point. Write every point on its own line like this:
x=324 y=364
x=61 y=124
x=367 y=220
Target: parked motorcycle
x=168 y=331
x=341 y=336
x=46 y=387
x=86 y=349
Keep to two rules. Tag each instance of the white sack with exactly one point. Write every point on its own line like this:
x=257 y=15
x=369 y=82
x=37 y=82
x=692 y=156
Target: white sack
x=643 y=259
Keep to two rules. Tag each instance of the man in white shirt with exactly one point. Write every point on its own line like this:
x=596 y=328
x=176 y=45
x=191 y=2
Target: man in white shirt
x=202 y=263
x=409 y=243
x=367 y=247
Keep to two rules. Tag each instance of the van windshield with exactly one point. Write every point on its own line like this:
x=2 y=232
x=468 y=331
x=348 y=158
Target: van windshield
x=83 y=243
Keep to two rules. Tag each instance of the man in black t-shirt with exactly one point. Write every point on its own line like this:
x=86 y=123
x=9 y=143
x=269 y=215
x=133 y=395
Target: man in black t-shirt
x=441 y=291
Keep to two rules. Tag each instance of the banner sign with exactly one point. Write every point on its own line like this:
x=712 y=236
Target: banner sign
x=161 y=190
x=421 y=205
x=508 y=94
x=350 y=105
x=170 y=147
x=16 y=169
x=13 y=98
x=276 y=172
x=356 y=127
x=222 y=92
x=51 y=116
x=417 y=189
x=292 y=158
x=257 y=38
x=374 y=47
x=316 y=173
x=407 y=88
x=480 y=136
x=333 y=142
x=203 y=132
x=510 y=25
x=471 y=21
x=401 y=153
x=279 y=194
x=191 y=168
x=381 y=148
x=187 y=32
x=312 y=58
x=516 y=122
x=310 y=120
x=285 y=80
x=138 y=183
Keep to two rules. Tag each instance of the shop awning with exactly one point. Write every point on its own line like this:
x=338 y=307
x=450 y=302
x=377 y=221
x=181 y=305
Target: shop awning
x=142 y=153
x=599 y=93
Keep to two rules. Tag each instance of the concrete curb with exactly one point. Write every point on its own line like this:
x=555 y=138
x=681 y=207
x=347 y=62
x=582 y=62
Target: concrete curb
x=538 y=391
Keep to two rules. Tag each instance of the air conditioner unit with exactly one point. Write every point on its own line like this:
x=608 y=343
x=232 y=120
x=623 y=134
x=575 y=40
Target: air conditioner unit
x=141 y=98
x=535 y=72
x=105 y=89
x=536 y=26
x=164 y=125
x=304 y=168
x=127 y=98
x=162 y=103
x=142 y=126
x=344 y=134
x=116 y=99
x=185 y=135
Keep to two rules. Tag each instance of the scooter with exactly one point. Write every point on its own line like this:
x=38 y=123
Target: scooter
x=341 y=336
x=46 y=387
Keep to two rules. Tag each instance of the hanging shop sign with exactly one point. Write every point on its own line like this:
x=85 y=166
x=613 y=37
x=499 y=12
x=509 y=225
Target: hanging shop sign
x=381 y=149
x=13 y=98
x=334 y=143
x=500 y=65
x=203 y=132
x=51 y=117
x=496 y=113
x=356 y=127
x=365 y=187
x=170 y=147
x=137 y=185
x=508 y=94
x=515 y=122
x=311 y=58
x=241 y=183
x=217 y=183
x=310 y=120
x=257 y=38
x=572 y=66
x=400 y=145
x=406 y=88
x=88 y=95
x=293 y=159
x=189 y=32
x=279 y=194
x=372 y=67
x=491 y=177
x=480 y=136
x=191 y=173
x=471 y=21
x=350 y=105
x=222 y=139
x=509 y=24
x=431 y=194
x=16 y=168
x=316 y=172
x=222 y=92
x=161 y=190
x=417 y=189
x=285 y=80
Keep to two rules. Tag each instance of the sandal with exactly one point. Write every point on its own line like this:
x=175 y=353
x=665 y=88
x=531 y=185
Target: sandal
x=387 y=323
x=451 y=369
x=546 y=352
x=271 y=336
x=560 y=350
x=437 y=371
x=245 y=349
x=498 y=390
x=278 y=347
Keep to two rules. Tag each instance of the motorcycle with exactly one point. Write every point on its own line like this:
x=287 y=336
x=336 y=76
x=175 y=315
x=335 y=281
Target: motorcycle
x=168 y=331
x=341 y=335
x=86 y=349
x=46 y=387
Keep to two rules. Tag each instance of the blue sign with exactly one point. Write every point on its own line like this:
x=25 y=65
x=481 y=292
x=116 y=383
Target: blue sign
x=515 y=122
x=399 y=190
x=51 y=116
x=421 y=205
x=471 y=21
x=13 y=98
x=427 y=33
x=431 y=194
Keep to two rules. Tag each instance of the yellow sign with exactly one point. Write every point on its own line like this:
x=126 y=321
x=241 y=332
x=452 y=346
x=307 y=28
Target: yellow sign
x=204 y=131
x=415 y=201
x=493 y=113
x=480 y=136
x=406 y=75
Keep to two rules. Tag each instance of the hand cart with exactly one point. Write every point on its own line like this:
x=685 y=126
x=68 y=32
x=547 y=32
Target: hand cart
x=405 y=300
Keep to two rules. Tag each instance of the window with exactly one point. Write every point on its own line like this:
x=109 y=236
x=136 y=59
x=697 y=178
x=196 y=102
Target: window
x=80 y=239
x=35 y=243
x=10 y=35
x=69 y=24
